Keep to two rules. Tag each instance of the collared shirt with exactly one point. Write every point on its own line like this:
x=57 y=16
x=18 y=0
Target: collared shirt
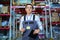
x=30 y=17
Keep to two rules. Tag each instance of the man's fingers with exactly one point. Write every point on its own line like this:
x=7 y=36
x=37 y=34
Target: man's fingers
x=36 y=31
x=23 y=29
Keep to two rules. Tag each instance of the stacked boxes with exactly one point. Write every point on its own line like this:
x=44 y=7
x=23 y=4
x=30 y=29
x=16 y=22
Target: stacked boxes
x=21 y=2
x=54 y=14
x=55 y=17
x=4 y=9
x=40 y=3
x=33 y=2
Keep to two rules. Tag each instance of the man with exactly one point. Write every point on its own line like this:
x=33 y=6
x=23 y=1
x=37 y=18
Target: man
x=29 y=16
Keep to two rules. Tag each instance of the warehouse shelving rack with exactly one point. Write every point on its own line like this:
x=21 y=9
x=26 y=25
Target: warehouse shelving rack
x=46 y=18
x=7 y=28
x=50 y=13
x=34 y=7
x=55 y=8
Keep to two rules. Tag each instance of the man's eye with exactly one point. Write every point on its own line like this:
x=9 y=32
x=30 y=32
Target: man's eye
x=29 y=7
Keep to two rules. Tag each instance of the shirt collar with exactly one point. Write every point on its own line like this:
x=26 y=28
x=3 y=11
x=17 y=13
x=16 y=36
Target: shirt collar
x=30 y=14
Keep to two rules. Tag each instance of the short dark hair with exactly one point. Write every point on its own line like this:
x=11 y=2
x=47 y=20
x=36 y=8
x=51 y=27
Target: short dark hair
x=29 y=4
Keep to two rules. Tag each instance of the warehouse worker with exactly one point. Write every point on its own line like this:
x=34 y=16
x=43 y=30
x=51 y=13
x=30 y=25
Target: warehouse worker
x=29 y=16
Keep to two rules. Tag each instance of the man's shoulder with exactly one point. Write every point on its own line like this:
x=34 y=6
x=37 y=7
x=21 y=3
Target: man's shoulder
x=22 y=17
x=36 y=15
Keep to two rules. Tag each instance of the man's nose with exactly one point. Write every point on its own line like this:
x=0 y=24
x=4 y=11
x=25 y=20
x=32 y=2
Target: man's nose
x=29 y=9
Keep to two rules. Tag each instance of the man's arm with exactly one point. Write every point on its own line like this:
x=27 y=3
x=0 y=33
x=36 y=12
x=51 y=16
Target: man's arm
x=21 y=25
x=39 y=24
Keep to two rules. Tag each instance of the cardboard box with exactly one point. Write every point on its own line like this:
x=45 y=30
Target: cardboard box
x=4 y=9
x=23 y=2
x=33 y=2
x=54 y=14
x=42 y=4
x=55 y=19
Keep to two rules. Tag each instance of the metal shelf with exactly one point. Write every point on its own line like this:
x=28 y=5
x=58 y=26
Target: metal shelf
x=40 y=1
x=33 y=6
x=4 y=14
x=4 y=2
x=7 y=28
x=54 y=23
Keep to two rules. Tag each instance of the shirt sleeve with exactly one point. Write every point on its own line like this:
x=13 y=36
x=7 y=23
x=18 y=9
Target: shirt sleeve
x=39 y=22
x=21 y=21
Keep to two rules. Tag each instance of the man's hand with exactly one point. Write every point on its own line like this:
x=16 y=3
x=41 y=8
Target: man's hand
x=22 y=29
x=36 y=31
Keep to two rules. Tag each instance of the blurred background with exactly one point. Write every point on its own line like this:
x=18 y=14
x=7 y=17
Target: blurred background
x=12 y=10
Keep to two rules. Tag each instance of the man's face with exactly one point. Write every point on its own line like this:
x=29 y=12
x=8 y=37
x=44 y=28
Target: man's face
x=28 y=9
